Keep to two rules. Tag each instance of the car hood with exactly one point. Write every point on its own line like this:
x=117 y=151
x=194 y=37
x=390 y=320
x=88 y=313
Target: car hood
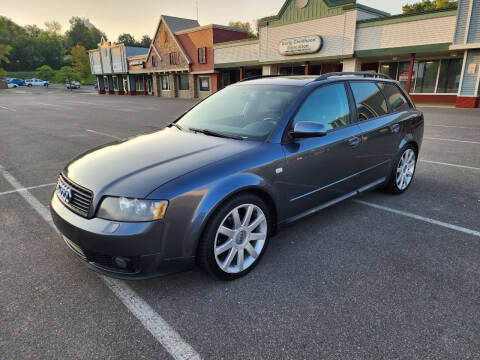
x=137 y=166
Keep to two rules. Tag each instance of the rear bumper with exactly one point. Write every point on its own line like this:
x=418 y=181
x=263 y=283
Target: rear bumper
x=117 y=249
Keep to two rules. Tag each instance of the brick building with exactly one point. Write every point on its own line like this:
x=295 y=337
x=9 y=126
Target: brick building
x=181 y=57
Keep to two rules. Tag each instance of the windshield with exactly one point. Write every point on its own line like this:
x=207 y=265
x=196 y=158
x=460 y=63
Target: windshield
x=246 y=111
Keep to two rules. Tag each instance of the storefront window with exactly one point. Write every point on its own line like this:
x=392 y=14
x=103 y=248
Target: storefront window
x=389 y=69
x=139 y=83
x=292 y=70
x=426 y=80
x=165 y=83
x=403 y=70
x=115 y=83
x=183 y=82
x=204 y=83
x=450 y=73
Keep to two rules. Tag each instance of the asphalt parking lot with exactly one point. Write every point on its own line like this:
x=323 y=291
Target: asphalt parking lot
x=378 y=277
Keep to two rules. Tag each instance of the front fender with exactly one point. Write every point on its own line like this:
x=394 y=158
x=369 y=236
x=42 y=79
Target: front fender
x=217 y=194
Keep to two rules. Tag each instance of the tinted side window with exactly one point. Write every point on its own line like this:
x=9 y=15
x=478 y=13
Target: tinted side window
x=395 y=98
x=327 y=105
x=370 y=101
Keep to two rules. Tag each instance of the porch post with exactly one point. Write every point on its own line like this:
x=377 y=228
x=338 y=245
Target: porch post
x=410 y=73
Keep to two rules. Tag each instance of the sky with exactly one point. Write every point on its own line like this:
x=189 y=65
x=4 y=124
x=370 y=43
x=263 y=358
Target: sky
x=140 y=17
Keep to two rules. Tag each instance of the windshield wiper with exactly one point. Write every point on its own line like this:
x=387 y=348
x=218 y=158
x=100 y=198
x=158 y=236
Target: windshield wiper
x=215 y=133
x=176 y=125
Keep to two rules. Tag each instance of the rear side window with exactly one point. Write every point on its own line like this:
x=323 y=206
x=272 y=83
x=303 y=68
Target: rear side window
x=327 y=105
x=369 y=99
x=394 y=96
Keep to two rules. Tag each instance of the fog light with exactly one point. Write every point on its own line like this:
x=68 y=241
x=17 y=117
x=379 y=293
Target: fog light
x=121 y=262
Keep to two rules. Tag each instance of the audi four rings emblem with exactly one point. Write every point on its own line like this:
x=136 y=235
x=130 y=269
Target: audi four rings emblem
x=64 y=192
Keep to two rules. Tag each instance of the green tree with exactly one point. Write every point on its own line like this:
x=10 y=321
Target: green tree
x=66 y=75
x=45 y=72
x=82 y=32
x=4 y=51
x=53 y=27
x=244 y=26
x=81 y=62
x=429 y=5
x=127 y=40
x=145 y=42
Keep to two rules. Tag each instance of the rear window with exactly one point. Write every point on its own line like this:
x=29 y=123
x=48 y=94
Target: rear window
x=394 y=96
x=369 y=100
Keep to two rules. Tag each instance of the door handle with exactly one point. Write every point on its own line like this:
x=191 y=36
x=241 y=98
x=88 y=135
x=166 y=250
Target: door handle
x=354 y=142
x=395 y=128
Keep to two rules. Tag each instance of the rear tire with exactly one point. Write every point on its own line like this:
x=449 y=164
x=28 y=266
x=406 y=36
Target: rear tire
x=403 y=171
x=235 y=237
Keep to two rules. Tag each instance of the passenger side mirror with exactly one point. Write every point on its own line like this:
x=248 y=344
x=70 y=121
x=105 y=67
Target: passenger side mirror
x=306 y=129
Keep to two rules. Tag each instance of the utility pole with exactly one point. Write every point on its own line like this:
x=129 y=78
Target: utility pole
x=196 y=3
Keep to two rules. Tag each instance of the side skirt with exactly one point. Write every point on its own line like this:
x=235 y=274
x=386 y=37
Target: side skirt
x=334 y=201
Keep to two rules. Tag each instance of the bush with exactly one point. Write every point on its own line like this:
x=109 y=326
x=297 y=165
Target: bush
x=45 y=72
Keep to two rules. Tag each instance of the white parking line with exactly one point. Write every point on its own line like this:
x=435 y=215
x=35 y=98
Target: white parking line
x=151 y=320
x=25 y=189
x=457 y=127
x=453 y=140
x=7 y=108
x=104 y=134
x=447 y=164
x=418 y=217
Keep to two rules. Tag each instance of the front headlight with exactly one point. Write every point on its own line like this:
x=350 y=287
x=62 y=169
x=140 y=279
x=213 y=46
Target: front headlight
x=131 y=210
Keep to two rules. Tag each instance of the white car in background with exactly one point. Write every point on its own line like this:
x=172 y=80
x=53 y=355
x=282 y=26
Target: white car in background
x=73 y=85
x=36 y=82
x=12 y=85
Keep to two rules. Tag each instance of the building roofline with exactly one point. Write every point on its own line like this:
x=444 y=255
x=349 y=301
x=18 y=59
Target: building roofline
x=408 y=17
x=233 y=43
x=346 y=4
x=210 y=26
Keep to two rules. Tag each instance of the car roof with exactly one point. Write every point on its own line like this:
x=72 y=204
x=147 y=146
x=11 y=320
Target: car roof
x=304 y=80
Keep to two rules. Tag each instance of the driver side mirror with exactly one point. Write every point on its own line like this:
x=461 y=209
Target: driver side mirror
x=306 y=129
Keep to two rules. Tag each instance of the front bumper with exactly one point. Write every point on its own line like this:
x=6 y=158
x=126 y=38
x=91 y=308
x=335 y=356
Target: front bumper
x=117 y=249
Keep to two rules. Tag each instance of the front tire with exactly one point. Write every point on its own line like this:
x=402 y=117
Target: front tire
x=403 y=171
x=236 y=237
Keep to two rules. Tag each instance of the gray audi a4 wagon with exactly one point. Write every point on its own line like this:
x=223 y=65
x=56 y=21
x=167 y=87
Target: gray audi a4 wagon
x=213 y=187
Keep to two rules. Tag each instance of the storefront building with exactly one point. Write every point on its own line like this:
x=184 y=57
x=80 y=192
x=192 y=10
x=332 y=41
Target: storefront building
x=110 y=65
x=435 y=55
x=180 y=60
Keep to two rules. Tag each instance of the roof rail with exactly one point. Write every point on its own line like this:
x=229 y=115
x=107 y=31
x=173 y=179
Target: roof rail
x=354 y=73
x=261 y=77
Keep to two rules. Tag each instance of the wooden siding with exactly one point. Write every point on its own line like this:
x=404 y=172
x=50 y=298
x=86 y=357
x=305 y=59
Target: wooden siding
x=414 y=33
x=338 y=34
x=235 y=54
x=470 y=81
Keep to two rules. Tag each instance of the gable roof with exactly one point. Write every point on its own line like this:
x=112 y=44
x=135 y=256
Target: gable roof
x=178 y=24
x=336 y=7
x=134 y=51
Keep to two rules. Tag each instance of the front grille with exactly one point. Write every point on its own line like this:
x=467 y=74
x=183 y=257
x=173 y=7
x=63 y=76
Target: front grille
x=81 y=198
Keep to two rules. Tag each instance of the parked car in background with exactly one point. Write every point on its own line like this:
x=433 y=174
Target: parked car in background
x=73 y=85
x=11 y=85
x=18 y=82
x=213 y=186
x=36 y=82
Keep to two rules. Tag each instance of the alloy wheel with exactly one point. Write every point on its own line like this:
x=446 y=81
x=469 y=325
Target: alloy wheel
x=405 y=169
x=240 y=238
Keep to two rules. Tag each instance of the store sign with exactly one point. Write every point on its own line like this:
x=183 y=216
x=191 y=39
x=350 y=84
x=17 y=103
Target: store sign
x=403 y=76
x=136 y=63
x=301 y=45
x=472 y=69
